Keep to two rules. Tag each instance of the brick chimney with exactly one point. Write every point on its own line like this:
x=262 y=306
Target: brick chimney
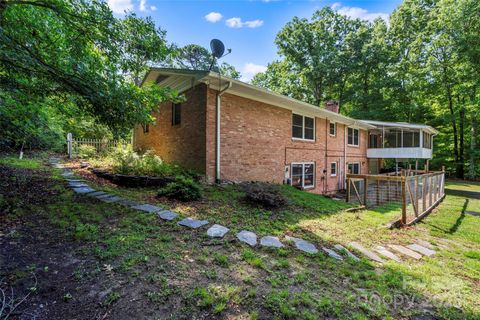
x=332 y=106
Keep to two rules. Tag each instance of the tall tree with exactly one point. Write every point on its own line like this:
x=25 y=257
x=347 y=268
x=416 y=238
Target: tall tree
x=195 y=57
x=74 y=50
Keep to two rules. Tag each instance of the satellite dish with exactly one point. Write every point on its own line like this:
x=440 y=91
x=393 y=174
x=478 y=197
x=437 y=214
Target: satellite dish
x=217 y=47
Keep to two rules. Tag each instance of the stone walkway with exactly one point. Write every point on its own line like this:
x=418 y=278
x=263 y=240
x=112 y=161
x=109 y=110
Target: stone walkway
x=413 y=251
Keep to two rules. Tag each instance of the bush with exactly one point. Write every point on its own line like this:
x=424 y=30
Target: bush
x=264 y=194
x=183 y=189
x=86 y=151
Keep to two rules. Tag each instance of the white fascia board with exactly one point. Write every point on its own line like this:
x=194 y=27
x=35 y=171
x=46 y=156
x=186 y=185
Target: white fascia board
x=249 y=91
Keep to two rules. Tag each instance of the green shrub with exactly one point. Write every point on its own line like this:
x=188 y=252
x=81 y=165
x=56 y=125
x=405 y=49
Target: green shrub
x=183 y=189
x=86 y=151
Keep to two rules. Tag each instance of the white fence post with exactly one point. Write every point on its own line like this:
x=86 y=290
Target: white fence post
x=69 y=144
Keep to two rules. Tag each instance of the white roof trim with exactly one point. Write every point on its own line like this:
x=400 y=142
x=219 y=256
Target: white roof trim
x=406 y=125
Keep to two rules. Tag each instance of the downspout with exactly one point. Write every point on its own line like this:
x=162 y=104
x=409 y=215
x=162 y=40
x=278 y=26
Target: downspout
x=217 y=149
x=325 y=171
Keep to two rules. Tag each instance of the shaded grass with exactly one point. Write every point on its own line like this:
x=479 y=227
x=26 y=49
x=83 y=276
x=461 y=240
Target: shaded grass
x=25 y=163
x=172 y=267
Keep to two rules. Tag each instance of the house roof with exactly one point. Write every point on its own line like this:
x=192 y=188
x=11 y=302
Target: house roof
x=404 y=125
x=183 y=79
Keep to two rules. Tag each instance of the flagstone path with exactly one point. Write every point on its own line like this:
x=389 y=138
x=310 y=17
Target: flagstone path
x=413 y=251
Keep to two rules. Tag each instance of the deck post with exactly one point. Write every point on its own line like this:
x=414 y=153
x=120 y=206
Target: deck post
x=348 y=190
x=430 y=193
x=404 y=203
x=365 y=191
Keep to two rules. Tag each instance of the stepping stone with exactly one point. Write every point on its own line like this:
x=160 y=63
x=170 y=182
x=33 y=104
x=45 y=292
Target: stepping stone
x=425 y=251
x=104 y=195
x=97 y=193
x=303 y=245
x=192 y=223
x=77 y=184
x=384 y=252
x=217 y=231
x=58 y=166
x=405 y=251
x=271 y=241
x=341 y=248
x=425 y=244
x=74 y=180
x=473 y=213
x=332 y=253
x=147 y=208
x=128 y=203
x=67 y=174
x=83 y=190
x=248 y=237
x=167 y=215
x=112 y=199
x=369 y=254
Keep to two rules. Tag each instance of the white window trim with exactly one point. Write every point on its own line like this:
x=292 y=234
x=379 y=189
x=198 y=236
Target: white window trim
x=303 y=174
x=303 y=127
x=336 y=168
x=354 y=145
x=359 y=167
x=335 y=126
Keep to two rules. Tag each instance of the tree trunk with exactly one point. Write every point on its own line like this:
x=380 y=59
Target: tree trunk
x=473 y=147
x=454 y=127
x=460 y=170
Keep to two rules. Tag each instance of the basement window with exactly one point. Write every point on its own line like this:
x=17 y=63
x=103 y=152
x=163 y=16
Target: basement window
x=333 y=169
x=303 y=127
x=303 y=175
x=176 y=114
x=354 y=168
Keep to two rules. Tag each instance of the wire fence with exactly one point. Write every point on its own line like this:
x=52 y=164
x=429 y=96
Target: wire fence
x=415 y=192
x=74 y=146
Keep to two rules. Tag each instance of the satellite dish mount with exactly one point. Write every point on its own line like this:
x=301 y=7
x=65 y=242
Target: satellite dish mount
x=218 y=51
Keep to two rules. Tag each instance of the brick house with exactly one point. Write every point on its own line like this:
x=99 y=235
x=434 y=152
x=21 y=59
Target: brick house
x=230 y=130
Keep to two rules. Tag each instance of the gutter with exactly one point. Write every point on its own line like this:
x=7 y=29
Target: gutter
x=217 y=133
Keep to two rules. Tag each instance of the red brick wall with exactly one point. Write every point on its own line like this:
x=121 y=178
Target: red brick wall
x=256 y=141
x=256 y=144
x=185 y=143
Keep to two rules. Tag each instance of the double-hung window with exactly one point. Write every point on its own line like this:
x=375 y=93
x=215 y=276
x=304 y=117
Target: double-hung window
x=303 y=127
x=303 y=175
x=333 y=129
x=333 y=169
x=176 y=114
x=353 y=136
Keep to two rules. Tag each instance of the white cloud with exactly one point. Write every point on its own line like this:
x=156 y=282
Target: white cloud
x=144 y=8
x=250 y=69
x=119 y=6
x=358 y=13
x=213 y=17
x=236 y=22
x=143 y=5
x=254 y=23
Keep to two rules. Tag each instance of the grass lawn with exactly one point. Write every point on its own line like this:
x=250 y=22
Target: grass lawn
x=92 y=259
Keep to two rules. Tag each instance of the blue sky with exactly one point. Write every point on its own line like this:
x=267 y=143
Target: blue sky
x=247 y=27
